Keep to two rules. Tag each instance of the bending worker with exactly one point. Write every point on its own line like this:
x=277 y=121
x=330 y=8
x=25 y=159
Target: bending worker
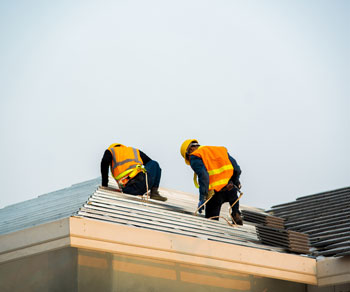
x=128 y=166
x=218 y=176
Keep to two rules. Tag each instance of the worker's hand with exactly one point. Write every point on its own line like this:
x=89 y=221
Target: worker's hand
x=238 y=185
x=200 y=203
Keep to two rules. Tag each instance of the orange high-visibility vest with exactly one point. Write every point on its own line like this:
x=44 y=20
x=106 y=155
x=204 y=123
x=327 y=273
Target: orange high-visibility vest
x=125 y=160
x=218 y=165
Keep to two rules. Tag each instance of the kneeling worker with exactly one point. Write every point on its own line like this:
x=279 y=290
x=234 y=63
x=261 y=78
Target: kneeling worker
x=126 y=165
x=217 y=173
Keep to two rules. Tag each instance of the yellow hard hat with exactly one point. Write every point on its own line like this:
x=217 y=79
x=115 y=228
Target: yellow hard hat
x=184 y=147
x=115 y=145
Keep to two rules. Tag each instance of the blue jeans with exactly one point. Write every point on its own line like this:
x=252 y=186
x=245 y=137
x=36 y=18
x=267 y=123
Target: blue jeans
x=137 y=185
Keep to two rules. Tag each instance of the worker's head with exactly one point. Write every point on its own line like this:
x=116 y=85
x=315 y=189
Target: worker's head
x=187 y=148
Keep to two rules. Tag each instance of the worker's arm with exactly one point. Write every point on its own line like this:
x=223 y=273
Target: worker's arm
x=105 y=163
x=144 y=157
x=203 y=177
x=236 y=171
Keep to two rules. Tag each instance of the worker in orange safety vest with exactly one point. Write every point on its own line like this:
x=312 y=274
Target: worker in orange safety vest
x=130 y=167
x=218 y=176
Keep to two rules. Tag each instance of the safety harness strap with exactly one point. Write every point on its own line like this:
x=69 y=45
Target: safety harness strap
x=128 y=174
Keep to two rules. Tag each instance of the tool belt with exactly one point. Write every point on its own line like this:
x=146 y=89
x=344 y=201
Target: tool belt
x=125 y=177
x=123 y=181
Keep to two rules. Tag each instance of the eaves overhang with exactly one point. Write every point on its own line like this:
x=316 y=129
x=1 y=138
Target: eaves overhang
x=129 y=240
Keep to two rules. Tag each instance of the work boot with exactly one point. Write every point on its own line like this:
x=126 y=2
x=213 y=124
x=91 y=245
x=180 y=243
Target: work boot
x=238 y=219
x=155 y=195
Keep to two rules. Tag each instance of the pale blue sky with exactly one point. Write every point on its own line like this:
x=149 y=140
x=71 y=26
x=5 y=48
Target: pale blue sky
x=267 y=79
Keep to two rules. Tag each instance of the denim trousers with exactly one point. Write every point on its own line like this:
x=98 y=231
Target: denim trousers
x=137 y=185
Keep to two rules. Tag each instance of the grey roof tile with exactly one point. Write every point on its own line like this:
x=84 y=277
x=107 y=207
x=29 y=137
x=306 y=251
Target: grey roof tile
x=324 y=217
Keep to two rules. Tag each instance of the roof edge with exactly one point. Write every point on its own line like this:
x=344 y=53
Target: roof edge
x=34 y=240
x=108 y=237
x=121 y=239
x=333 y=271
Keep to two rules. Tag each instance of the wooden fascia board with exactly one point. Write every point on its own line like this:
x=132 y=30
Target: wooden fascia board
x=122 y=239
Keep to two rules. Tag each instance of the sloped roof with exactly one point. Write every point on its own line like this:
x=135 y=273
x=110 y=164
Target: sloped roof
x=46 y=208
x=325 y=217
x=170 y=216
x=88 y=200
x=90 y=217
x=307 y=214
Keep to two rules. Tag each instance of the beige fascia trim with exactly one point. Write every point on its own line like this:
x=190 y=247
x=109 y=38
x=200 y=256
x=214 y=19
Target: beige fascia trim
x=122 y=239
x=333 y=271
x=38 y=239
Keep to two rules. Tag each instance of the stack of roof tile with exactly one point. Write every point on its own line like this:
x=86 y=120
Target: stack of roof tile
x=263 y=218
x=291 y=240
x=270 y=230
x=325 y=217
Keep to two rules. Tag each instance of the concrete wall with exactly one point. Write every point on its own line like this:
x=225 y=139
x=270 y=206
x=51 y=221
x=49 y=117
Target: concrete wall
x=100 y=271
x=337 y=288
x=46 y=272
x=79 y=270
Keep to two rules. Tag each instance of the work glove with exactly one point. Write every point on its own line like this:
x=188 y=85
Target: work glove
x=200 y=203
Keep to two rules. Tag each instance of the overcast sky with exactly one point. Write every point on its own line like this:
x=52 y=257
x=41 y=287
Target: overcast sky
x=267 y=79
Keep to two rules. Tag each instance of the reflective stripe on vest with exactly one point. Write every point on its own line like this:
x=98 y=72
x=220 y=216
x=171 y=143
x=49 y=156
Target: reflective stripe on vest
x=218 y=165
x=127 y=175
x=122 y=168
x=221 y=169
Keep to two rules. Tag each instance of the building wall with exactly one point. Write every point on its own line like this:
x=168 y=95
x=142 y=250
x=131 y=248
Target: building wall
x=111 y=272
x=337 y=288
x=47 y=272
x=79 y=270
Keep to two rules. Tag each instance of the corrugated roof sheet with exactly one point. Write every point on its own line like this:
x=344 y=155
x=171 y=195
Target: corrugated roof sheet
x=46 y=208
x=324 y=217
x=167 y=217
x=88 y=200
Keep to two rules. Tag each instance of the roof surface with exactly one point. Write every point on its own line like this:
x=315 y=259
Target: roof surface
x=176 y=216
x=46 y=208
x=88 y=200
x=325 y=217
